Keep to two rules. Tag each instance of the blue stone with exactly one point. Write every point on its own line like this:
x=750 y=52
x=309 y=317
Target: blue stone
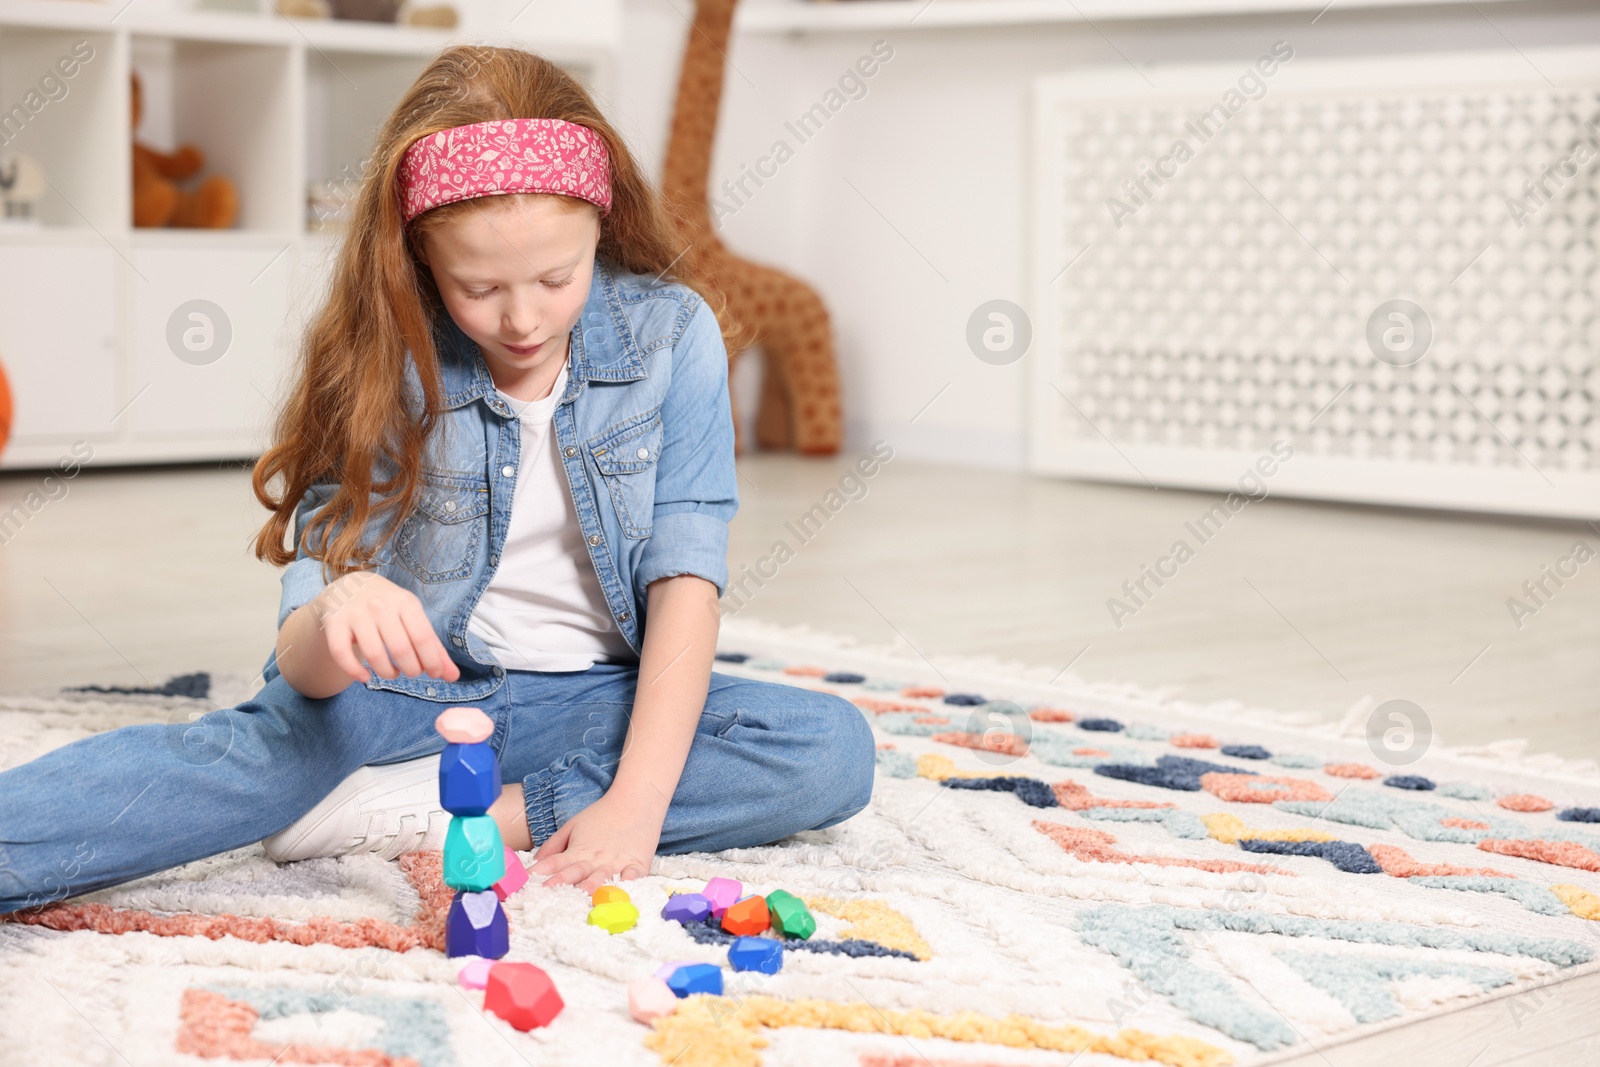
x=469 y=779
x=755 y=954
x=696 y=978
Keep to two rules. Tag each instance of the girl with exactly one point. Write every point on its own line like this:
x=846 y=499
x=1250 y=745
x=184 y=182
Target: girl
x=507 y=464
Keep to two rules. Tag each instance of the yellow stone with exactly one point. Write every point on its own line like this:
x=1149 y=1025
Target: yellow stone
x=617 y=916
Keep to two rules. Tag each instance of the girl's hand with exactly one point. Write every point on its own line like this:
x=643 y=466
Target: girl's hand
x=366 y=611
x=608 y=839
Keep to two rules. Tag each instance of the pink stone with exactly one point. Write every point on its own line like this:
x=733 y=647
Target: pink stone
x=464 y=726
x=649 y=999
x=516 y=876
x=721 y=892
x=475 y=975
x=665 y=970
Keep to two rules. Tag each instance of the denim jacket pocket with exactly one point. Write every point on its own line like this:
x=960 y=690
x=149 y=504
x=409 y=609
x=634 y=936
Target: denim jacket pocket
x=439 y=541
x=626 y=457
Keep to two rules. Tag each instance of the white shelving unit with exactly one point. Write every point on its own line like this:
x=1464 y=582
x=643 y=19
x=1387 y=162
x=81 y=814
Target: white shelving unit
x=275 y=104
x=840 y=16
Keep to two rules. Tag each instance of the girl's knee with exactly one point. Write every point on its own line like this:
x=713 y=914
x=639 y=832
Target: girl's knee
x=845 y=760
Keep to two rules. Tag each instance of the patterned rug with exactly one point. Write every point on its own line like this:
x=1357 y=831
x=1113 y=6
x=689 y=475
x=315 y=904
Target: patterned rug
x=1050 y=872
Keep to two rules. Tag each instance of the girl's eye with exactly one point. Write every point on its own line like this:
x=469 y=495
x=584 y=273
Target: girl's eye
x=558 y=285
x=478 y=296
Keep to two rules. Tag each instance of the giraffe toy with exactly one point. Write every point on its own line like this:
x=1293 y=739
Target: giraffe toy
x=799 y=405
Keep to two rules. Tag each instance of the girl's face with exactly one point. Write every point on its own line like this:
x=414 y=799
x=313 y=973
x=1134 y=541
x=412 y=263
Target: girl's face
x=515 y=276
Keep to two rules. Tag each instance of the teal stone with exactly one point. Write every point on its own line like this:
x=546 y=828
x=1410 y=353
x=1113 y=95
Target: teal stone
x=474 y=855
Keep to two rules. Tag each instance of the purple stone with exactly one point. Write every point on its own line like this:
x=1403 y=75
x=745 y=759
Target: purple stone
x=687 y=908
x=477 y=926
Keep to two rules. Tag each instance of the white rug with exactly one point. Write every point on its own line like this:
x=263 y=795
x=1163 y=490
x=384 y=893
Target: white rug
x=1112 y=899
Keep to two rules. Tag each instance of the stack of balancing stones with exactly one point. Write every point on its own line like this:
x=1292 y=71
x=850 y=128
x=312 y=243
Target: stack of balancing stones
x=477 y=864
x=484 y=872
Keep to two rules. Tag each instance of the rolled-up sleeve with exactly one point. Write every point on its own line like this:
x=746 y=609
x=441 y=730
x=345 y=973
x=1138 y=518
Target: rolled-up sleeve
x=696 y=484
x=303 y=579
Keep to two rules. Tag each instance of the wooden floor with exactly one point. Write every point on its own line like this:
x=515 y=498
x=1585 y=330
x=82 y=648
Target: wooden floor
x=132 y=576
x=139 y=574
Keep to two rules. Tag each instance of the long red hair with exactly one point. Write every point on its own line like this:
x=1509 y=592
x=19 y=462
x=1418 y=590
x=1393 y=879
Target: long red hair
x=346 y=417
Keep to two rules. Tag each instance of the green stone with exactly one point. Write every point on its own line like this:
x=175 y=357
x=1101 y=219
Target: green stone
x=790 y=916
x=474 y=855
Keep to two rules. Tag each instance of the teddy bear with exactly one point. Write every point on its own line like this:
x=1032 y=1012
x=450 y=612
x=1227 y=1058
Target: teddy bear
x=157 y=199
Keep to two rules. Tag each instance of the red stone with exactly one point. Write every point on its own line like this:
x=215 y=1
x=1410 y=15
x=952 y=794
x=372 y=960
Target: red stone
x=522 y=995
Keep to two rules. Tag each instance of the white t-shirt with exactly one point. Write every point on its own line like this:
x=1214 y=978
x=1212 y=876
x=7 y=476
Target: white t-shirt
x=543 y=609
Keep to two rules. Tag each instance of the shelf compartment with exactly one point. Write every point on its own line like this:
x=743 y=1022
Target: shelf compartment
x=245 y=138
x=65 y=104
x=348 y=97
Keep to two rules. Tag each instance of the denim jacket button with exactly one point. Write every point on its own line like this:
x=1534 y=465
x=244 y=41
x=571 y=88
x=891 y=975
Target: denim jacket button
x=456 y=641
x=432 y=691
x=569 y=451
x=644 y=453
x=624 y=616
x=494 y=560
x=508 y=470
x=594 y=539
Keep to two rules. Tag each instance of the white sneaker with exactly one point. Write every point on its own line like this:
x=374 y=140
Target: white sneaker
x=388 y=810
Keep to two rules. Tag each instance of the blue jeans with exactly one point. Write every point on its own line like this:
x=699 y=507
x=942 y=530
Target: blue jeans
x=768 y=760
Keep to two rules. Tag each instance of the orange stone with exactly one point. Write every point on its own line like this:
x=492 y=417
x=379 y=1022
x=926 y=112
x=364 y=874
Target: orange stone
x=609 y=894
x=747 y=917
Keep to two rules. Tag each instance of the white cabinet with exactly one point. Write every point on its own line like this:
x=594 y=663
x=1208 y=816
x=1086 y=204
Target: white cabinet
x=208 y=335
x=58 y=340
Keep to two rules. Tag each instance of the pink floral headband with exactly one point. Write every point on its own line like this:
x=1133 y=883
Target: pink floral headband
x=506 y=156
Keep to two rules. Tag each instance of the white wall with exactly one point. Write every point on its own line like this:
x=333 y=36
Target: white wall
x=938 y=151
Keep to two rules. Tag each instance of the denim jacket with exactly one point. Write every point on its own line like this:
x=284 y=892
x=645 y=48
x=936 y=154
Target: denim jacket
x=645 y=433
